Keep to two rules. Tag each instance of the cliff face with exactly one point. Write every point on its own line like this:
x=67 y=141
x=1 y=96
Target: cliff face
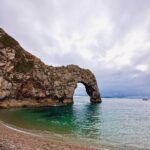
x=25 y=77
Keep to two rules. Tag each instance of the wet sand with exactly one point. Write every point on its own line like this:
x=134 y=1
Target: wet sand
x=14 y=139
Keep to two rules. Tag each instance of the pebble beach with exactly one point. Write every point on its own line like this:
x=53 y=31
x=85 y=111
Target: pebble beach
x=14 y=139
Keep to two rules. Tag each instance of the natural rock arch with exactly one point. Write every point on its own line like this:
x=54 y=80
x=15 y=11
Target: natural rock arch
x=87 y=78
x=26 y=78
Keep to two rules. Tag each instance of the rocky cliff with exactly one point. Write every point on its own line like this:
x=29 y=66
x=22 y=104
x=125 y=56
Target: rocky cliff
x=26 y=81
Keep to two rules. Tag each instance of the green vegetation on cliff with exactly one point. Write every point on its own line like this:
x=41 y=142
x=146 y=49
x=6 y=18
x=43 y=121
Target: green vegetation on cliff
x=23 y=64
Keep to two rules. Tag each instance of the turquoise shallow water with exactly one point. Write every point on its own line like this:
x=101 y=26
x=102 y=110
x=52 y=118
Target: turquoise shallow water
x=123 y=123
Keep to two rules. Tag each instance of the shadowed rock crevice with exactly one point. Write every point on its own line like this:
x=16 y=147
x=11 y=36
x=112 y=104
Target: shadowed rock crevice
x=25 y=79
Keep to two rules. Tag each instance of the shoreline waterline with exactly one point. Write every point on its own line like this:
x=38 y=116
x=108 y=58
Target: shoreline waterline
x=54 y=137
x=59 y=143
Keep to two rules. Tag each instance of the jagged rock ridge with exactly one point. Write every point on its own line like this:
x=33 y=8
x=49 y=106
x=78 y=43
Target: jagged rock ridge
x=25 y=80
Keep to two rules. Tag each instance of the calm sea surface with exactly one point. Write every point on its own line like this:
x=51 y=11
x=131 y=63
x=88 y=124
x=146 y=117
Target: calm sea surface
x=115 y=123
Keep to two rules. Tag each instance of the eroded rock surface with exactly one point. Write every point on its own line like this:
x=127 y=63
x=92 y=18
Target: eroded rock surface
x=25 y=77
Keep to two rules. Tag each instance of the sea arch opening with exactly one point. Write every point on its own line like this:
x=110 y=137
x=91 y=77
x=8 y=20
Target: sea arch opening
x=81 y=91
x=91 y=90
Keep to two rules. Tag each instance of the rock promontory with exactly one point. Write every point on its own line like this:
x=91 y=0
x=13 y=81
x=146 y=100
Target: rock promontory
x=26 y=81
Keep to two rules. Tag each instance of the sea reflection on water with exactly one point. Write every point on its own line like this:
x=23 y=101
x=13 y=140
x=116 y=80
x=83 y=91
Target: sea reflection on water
x=77 y=119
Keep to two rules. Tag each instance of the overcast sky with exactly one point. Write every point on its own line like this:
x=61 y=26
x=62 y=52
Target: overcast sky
x=110 y=37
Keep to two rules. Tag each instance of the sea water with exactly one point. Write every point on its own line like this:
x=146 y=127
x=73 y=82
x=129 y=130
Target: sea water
x=115 y=123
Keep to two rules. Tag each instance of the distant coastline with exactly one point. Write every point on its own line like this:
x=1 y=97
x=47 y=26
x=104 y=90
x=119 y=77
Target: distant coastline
x=130 y=97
